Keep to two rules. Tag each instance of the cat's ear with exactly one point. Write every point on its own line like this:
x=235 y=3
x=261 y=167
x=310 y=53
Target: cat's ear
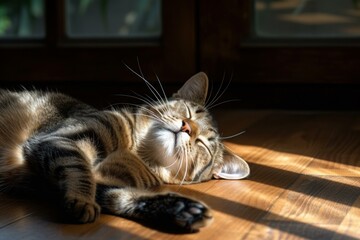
x=195 y=89
x=233 y=167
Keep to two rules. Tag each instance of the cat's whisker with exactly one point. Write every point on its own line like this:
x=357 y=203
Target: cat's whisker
x=153 y=90
x=153 y=111
x=145 y=99
x=171 y=164
x=165 y=99
x=176 y=160
x=140 y=70
x=232 y=136
x=149 y=101
x=180 y=154
x=222 y=93
x=186 y=168
x=152 y=117
x=142 y=107
x=176 y=154
x=162 y=88
x=208 y=97
x=158 y=116
x=217 y=92
x=158 y=94
x=149 y=112
x=223 y=102
x=193 y=165
x=137 y=106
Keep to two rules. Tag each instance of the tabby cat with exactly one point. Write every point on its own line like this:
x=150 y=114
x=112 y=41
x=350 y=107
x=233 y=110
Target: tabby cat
x=110 y=160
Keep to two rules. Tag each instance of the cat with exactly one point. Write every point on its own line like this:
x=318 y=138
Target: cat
x=109 y=161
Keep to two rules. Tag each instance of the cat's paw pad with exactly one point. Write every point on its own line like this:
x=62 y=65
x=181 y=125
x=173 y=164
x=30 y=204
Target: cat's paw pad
x=81 y=211
x=193 y=215
x=177 y=210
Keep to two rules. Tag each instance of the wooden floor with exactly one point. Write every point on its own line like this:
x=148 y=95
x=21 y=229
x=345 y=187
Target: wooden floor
x=305 y=183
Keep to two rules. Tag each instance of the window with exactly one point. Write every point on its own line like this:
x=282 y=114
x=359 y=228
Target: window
x=307 y=18
x=280 y=41
x=113 y=18
x=22 y=19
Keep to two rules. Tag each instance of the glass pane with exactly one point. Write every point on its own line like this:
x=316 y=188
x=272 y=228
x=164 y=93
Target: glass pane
x=22 y=19
x=307 y=18
x=113 y=18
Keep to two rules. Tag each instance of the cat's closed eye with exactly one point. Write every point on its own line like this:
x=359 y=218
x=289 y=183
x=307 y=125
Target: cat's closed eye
x=201 y=143
x=199 y=110
x=188 y=112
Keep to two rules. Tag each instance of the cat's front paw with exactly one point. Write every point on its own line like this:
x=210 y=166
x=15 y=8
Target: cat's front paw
x=81 y=211
x=191 y=214
x=175 y=210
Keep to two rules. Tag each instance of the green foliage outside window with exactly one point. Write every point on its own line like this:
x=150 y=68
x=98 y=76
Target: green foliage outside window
x=18 y=17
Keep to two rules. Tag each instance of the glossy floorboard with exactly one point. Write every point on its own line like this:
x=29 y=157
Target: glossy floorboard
x=305 y=183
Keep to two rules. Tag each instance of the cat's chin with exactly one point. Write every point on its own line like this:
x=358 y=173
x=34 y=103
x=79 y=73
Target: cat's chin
x=167 y=144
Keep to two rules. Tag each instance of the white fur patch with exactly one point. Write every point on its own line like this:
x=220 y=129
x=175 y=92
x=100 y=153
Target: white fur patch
x=167 y=140
x=18 y=155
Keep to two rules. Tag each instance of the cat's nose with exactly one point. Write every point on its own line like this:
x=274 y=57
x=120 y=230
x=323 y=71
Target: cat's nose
x=185 y=127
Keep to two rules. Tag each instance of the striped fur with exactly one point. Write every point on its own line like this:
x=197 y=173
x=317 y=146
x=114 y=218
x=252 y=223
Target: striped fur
x=111 y=160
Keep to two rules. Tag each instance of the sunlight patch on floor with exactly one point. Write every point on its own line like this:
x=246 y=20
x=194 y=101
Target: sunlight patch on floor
x=294 y=162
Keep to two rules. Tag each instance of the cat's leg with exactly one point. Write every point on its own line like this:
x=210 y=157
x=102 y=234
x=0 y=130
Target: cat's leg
x=123 y=168
x=167 y=210
x=123 y=189
x=61 y=162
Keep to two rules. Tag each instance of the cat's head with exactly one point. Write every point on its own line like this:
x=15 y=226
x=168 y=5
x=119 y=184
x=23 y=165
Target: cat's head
x=183 y=144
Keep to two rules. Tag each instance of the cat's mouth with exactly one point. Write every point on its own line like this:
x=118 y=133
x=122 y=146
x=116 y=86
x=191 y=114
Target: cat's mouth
x=173 y=138
x=179 y=138
x=178 y=132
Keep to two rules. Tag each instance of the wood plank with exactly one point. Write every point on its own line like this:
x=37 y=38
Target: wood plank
x=12 y=210
x=35 y=227
x=351 y=222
